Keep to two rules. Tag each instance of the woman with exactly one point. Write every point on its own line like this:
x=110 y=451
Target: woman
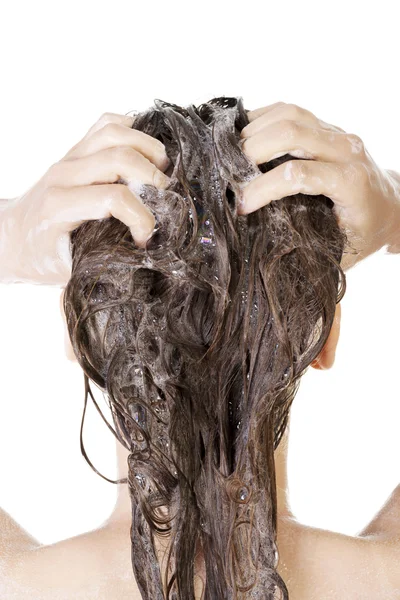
x=366 y=204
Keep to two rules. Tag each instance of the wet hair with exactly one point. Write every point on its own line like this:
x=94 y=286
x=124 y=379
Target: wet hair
x=199 y=342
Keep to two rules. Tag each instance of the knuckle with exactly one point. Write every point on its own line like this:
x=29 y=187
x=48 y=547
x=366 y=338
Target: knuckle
x=356 y=143
x=244 y=144
x=294 y=111
x=53 y=173
x=290 y=129
x=250 y=148
x=353 y=137
x=300 y=169
x=123 y=154
x=119 y=192
x=106 y=117
x=116 y=194
x=110 y=130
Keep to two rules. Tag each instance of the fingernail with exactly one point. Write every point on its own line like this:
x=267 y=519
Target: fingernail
x=152 y=232
x=162 y=180
x=164 y=161
x=141 y=240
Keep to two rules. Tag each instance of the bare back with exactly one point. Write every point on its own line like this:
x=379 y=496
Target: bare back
x=315 y=565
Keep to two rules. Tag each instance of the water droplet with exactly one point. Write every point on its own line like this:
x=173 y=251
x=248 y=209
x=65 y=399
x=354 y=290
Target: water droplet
x=141 y=479
x=243 y=493
x=276 y=556
x=205 y=240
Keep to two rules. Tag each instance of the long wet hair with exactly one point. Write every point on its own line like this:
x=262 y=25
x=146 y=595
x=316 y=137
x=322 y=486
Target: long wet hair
x=199 y=341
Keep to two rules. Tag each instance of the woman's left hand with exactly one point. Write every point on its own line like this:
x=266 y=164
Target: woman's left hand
x=84 y=185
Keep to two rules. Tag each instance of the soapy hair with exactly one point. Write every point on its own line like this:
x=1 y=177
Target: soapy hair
x=198 y=342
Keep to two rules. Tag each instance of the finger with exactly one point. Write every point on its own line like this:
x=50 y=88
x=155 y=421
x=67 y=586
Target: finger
x=301 y=140
x=284 y=111
x=107 y=117
x=106 y=166
x=333 y=180
x=110 y=117
x=254 y=114
x=74 y=205
x=115 y=134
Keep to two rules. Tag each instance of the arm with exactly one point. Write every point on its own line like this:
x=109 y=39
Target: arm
x=394 y=241
x=13 y=538
x=7 y=268
x=386 y=523
x=5 y=202
x=78 y=188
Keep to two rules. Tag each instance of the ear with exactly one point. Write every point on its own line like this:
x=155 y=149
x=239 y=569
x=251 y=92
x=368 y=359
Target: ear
x=326 y=357
x=69 y=351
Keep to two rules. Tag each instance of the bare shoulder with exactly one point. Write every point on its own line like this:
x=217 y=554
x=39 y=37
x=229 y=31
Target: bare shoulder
x=317 y=564
x=96 y=564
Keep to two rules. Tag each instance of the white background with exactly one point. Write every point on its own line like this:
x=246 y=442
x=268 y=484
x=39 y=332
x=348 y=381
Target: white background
x=65 y=63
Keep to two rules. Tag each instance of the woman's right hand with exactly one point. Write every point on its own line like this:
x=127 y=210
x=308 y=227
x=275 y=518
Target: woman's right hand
x=366 y=198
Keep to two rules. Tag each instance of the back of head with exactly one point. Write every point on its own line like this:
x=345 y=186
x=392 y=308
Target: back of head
x=199 y=341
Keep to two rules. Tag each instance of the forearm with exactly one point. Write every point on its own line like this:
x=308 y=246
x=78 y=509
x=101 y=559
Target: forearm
x=7 y=263
x=393 y=243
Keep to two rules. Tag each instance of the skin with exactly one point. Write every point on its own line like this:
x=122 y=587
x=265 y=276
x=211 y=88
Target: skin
x=93 y=181
x=90 y=182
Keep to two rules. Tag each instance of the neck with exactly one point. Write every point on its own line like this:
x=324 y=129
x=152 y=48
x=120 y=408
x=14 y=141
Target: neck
x=282 y=487
x=122 y=510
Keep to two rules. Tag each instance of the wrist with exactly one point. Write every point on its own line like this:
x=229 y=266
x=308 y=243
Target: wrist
x=393 y=241
x=8 y=270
